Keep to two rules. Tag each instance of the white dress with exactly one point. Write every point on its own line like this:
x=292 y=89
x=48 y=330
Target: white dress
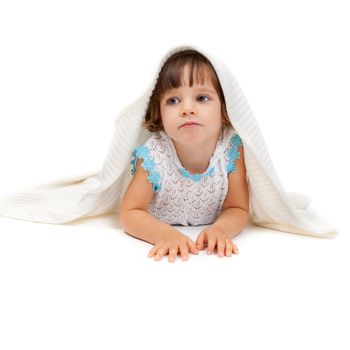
x=181 y=198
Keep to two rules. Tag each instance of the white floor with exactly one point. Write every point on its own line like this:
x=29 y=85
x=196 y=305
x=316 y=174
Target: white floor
x=89 y=285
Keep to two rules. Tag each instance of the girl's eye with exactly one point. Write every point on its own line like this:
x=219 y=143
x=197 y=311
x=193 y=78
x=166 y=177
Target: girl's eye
x=170 y=100
x=204 y=96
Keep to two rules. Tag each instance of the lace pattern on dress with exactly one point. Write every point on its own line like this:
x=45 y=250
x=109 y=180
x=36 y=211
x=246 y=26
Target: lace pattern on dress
x=233 y=153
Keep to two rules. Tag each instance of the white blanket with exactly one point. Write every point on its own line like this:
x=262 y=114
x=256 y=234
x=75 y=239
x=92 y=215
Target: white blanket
x=101 y=191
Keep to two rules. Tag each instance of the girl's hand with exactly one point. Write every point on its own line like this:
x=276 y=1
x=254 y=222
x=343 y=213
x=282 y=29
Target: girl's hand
x=172 y=243
x=213 y=236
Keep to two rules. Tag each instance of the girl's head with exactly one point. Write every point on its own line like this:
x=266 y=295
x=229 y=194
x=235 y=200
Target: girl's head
x=187 y=89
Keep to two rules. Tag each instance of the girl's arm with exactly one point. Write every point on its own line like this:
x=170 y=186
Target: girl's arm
x=133 y=216
x=136 y=221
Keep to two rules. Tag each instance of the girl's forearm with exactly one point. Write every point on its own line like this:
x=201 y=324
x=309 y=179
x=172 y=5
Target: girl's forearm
x=232 y=221
x=142 y=225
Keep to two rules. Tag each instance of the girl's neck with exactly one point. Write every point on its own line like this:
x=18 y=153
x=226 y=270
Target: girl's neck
x=196 y=158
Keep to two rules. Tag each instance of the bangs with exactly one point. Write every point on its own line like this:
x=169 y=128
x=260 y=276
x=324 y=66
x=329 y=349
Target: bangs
x=172 y=76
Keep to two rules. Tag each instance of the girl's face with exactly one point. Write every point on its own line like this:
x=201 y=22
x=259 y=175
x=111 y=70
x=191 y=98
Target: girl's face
x=200 y=104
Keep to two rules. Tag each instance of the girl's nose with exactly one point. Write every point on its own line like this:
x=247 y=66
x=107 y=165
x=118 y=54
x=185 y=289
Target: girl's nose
x=189 y=111
x=188 y=108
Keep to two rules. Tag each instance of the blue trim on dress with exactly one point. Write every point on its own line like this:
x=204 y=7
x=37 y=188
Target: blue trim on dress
x=233 y=153
x=195 y=177
x=147 y=164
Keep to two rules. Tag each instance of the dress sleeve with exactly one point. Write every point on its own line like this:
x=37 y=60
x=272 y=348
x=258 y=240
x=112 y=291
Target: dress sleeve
x=147 y=164
x=233 y=153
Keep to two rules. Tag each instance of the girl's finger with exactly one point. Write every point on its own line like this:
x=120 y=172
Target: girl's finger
x=221 y=246
x=228 y=247
x=193 y=247
x=211 y=245
x=161 y=252
x=234 y=248
x=200 y=241
x=153 y=251
x=172 y=253
x=184 y=251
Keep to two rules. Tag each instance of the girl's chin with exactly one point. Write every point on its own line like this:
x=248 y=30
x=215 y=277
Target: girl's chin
x=191 y=138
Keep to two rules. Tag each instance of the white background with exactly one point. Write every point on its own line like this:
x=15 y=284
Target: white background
x=66 y=69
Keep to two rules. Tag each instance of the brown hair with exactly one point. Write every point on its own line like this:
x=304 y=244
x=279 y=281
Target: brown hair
x=171 y=76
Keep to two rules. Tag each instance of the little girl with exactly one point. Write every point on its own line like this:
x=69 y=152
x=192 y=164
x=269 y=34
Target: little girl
x=191 y=171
